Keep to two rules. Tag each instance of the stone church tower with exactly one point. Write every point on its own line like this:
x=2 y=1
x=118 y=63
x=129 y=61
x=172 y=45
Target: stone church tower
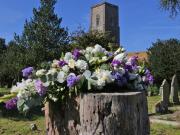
x=105 y=18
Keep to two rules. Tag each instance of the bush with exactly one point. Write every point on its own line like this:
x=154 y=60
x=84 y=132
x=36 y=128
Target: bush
x=164 y=59
x=153 y=90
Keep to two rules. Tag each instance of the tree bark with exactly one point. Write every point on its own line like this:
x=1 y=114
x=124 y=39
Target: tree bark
x=62 y=119
x=100 y=114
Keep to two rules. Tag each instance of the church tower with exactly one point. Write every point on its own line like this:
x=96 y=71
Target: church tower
x=105 y=18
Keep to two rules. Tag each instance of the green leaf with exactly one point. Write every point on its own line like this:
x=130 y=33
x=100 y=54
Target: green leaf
x=5 y=98
x=81 y=83
x=76 y=90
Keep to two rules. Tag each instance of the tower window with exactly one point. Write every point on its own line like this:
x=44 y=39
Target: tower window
x=97 y=20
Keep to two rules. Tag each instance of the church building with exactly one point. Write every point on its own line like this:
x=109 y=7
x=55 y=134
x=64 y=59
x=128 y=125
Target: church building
x=105 y=18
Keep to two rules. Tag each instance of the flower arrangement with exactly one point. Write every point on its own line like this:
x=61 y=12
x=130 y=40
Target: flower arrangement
x=93 y=69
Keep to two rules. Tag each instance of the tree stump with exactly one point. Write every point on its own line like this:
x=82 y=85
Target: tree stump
x=101 y=114
x=62 y=119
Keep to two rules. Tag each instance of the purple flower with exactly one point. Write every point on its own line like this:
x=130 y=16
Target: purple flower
x=120 y=79
x=72 y=80
x=134 y=60
x=128 y=67
x=27 y=72
x=147 y=72
x=41 y=89
x=11 y=104
x=110 y=54
x=115 y=63
x=149 y=77
x=62 y=63
x=76 y=54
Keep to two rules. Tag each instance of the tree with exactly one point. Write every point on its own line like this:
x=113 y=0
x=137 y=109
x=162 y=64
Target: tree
x=43 y=37
x=12 y=63
x=81 y=39
x=164 y=59
x=173 y=6
x=2 y=45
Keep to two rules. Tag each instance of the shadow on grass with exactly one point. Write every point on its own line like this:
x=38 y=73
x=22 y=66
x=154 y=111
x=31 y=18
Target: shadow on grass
x=32 y=115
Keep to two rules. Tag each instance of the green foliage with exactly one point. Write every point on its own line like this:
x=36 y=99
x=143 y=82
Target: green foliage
x=4 y=91
x=43 y=36
x=164 y=59
x=2 y=46
x=153 y=89
x=42 y=40
x=173 y=6
x=81 y=40
x=7 y=97
x=13 y=62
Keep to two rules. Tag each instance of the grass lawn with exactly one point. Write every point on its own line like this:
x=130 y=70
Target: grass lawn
x=151 y=102
x=21 y=126
x=4 y=91
x=159 y=129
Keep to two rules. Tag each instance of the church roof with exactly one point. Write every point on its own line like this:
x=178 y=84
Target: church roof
x=104 y=3
x=141 y=55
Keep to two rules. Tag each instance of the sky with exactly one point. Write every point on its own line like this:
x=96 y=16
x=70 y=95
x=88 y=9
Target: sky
x=142 y=22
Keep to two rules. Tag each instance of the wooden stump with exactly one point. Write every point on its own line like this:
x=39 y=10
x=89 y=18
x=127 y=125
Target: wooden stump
x=62 y=119
x=101 y=114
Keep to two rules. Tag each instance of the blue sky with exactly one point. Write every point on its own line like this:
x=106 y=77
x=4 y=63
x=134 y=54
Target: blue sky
x=141 y=22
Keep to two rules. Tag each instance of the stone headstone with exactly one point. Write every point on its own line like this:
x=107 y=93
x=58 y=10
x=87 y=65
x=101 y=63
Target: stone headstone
x=174 y=90
x=162 y=106
x=165 y=92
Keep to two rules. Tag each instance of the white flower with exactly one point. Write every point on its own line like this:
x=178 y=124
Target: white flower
x=24 y=89
x=104 y=58
x=121 y=57
x=40 y=72
x=46 y=84
x=120 y=50
x=81 y=64
x=82 y=51
x=104 y=75
x=122 y=70
x=97 y=49
x=65 y=68
x=52 y=71
x=71 y=63
x=22 y=85
x=55 y=64
x=107 y=76
x=87 y=56
x=68 y=56
x=89 y=49
x=87 y=74
x=101 y=83
x=61 y=77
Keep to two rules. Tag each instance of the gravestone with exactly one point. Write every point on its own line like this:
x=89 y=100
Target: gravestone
x=165 y=88
x=162 y=106
x=174 y=90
